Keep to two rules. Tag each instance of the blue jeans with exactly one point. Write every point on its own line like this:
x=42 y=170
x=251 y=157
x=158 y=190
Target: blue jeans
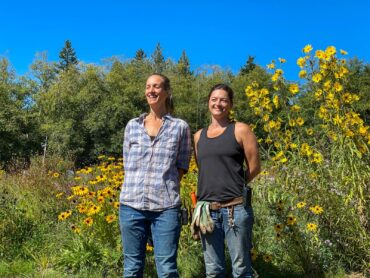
x=237 y=238
x=135 y=226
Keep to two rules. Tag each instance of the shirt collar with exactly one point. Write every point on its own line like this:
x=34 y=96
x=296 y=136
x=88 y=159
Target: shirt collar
x=165 y=117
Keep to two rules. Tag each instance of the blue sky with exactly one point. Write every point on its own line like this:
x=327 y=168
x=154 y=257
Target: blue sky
x=214 y=32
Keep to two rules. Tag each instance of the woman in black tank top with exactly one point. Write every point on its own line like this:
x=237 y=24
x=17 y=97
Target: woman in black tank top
x=221 y=150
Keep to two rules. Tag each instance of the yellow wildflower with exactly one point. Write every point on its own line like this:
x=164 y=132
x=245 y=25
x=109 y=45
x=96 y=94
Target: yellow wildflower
x=311 y=227
x=275 y=101
x=301 y=62
x=317 y=158
x=295 y=108
x=330 y=50
x=293 y=88
x=274 y=77
x=302 y=74
x=291 y=220
x=111 y=218
x=300 y=121
x=317 y=209
x=271 y=66
x=308 y=48
x=301 y=205
x=316 y=77
x=319 y=54
x=88 y=221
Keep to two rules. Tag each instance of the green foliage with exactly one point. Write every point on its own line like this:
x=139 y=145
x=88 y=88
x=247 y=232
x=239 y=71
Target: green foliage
x=18 y=127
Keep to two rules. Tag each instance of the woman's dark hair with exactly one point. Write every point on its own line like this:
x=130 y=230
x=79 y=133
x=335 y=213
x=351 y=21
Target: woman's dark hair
x=226 y=88
x=167 y=87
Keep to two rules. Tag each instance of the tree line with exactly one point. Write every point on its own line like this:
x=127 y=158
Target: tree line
x=78 y=110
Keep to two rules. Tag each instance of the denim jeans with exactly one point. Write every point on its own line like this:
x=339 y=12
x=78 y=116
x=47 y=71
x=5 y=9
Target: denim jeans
x=238 y=240
x=135 y=226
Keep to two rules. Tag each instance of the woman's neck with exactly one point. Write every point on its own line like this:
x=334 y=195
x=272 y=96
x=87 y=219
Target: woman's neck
x=216 y=123
x=157 y=114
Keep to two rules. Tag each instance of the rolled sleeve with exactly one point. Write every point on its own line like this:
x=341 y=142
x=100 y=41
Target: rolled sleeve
x=184 y=154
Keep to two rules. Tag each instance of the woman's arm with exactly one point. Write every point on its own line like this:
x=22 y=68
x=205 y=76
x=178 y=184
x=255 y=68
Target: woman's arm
x=246 y=138
x=184 y=153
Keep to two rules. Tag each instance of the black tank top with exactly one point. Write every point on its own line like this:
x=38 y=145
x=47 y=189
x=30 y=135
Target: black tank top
x=220 y=161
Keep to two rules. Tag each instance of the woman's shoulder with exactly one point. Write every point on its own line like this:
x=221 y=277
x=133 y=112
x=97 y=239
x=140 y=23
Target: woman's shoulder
x=241 y=127
x=180 y=122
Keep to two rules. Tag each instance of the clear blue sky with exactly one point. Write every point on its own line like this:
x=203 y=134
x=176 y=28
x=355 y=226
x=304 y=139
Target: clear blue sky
x=212 y=32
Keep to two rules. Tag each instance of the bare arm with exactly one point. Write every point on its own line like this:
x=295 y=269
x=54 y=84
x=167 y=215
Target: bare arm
x=196 y=139
x=246 y=138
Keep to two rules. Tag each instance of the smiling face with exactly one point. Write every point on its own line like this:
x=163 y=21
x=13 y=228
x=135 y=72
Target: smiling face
x=219 y=104
x=155 y=92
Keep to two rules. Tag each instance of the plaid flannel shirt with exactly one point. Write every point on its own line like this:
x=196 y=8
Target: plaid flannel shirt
x=151 y=180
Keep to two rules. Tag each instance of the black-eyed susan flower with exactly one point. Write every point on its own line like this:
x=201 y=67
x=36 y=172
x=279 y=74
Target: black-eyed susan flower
x=88 y=221
x=111 y=218
x=279 y=209
x=312 y=227
x=100 y=199
x=82 y=208
x=62 y=216
x=278 y=227
x=75 y=229
x=279 y=236
x=267 y=258
x=301 y=205
x=291 y=220
x=94 y=209
x=317 y=209
x=56 y=175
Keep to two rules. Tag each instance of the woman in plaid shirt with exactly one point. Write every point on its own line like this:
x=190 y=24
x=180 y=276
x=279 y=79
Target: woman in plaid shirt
x=156 y=152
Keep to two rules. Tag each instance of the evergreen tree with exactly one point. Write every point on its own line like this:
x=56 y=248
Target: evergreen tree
x=158 y=59
x=249 y=66
x=140 y=55
x=183 y=64
x=67 y=56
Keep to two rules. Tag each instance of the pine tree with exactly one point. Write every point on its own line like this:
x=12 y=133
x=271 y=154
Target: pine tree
x=249 y=66
x=67 y=56
x=184 y=64
x=140 y=55
x=158 y=59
